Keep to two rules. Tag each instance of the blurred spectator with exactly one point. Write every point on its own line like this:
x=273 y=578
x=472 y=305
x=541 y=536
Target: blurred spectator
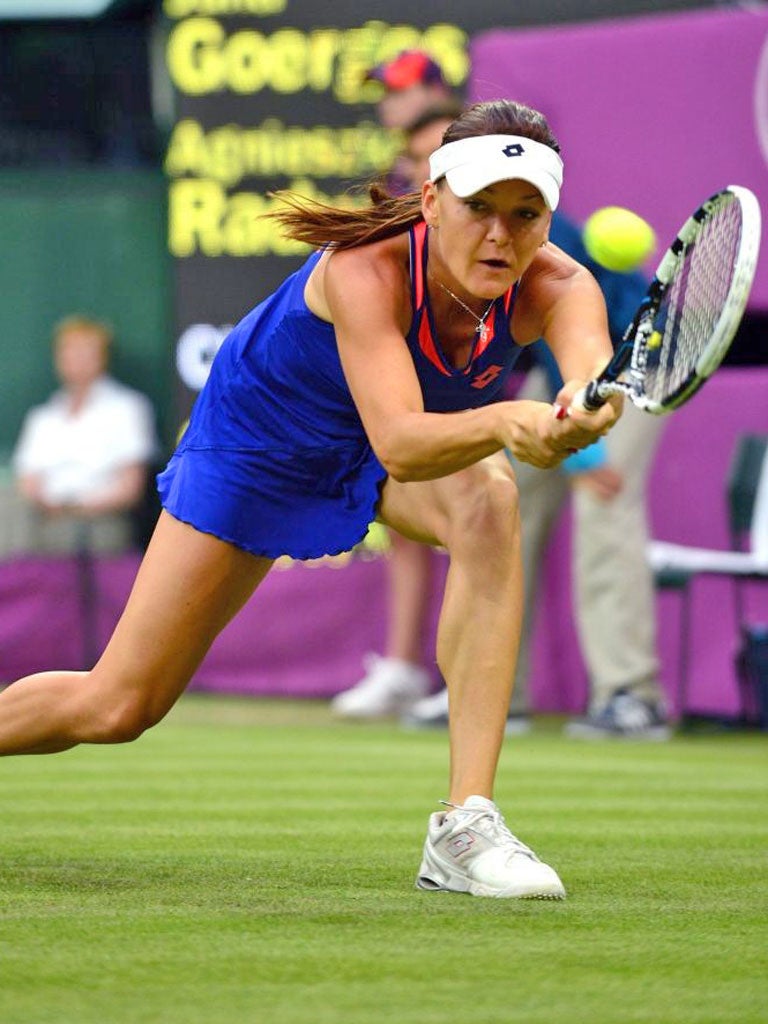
x=423 y=135
x=412 y=82
x=413 y=86
x=81 y=462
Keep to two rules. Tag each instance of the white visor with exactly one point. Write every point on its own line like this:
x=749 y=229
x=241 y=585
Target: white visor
x=470 y=165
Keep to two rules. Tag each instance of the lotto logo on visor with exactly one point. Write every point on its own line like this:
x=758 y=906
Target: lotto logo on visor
x=471 y=165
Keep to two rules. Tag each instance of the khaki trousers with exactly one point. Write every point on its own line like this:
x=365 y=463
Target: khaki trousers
x=613 y=589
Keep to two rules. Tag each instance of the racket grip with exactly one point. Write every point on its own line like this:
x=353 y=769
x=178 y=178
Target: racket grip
x=589 y=398
x=586 y=399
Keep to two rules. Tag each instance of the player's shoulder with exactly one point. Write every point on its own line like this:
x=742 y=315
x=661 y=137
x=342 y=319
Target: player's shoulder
x=553 y=277
x=382 y=258
x=380 y=268
x=553 y=261
x=552 y=274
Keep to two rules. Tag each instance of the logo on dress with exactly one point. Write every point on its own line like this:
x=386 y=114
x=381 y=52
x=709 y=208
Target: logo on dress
x=489 y=374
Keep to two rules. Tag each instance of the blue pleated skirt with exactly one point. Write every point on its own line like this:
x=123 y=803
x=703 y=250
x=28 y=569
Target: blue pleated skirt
x=303 y=503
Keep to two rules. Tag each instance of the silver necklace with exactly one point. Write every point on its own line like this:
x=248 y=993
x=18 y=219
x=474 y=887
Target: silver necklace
x=480 y=320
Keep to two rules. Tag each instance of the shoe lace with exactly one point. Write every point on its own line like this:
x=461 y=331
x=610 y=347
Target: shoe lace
x=490 y=823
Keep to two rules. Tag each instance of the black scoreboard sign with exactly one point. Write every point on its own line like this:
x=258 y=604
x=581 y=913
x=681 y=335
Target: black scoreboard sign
x=271 y=94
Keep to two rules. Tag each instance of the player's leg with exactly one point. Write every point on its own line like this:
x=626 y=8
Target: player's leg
x=474 y=515
x=541 y=495
x=188 y=587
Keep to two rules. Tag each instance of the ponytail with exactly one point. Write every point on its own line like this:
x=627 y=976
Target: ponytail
x=319 y=224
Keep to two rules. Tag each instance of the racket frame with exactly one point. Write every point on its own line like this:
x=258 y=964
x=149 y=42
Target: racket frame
x=631 y=357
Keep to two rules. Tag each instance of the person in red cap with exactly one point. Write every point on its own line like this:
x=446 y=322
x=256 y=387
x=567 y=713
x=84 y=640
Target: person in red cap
x=412 y=82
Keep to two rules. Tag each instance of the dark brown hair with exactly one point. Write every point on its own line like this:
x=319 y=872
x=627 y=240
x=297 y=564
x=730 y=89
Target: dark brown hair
x=320 y=224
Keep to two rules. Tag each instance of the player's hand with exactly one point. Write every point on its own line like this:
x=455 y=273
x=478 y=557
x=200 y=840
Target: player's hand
x=532 y=434
x=597 y=423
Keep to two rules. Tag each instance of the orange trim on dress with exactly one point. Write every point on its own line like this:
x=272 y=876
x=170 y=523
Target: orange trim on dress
x=419 y=236
x=427 y=345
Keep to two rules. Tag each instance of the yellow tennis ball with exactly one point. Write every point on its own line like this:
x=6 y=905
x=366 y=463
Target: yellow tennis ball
x=618 y=239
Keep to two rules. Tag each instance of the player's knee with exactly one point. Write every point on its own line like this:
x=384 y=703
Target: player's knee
x=498 y=515
x=487 y=515
x=121 y=720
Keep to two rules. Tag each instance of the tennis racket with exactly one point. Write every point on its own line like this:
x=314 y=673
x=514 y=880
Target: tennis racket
x=687 y=321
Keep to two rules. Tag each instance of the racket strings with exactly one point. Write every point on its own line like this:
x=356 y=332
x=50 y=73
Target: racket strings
x=692 y=304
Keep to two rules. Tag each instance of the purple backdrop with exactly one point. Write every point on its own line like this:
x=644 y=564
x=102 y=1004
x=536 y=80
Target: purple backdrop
x=653 y=113
x=305 y=633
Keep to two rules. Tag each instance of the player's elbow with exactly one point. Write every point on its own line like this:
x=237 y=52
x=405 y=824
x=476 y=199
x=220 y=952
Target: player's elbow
x=397 y=468
x=395 y=461
x=407 y=474
x=396 y=451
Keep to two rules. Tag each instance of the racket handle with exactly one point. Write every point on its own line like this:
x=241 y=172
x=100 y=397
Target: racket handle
x=589 y=398
x=586 y=399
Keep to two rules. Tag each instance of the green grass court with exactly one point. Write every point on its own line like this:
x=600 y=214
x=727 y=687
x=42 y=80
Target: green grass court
x=252 y=861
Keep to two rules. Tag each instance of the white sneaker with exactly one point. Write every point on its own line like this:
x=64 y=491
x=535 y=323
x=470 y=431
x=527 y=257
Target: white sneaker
x=470 y=849
x=390 y=687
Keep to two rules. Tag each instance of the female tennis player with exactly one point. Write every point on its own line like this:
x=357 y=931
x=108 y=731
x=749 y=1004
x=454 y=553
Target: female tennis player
x=370 y=384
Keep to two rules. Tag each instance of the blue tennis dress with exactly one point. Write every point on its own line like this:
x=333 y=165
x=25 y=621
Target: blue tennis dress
x=275 y=459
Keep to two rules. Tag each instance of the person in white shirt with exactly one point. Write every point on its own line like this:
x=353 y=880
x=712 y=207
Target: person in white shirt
x=82 y=458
